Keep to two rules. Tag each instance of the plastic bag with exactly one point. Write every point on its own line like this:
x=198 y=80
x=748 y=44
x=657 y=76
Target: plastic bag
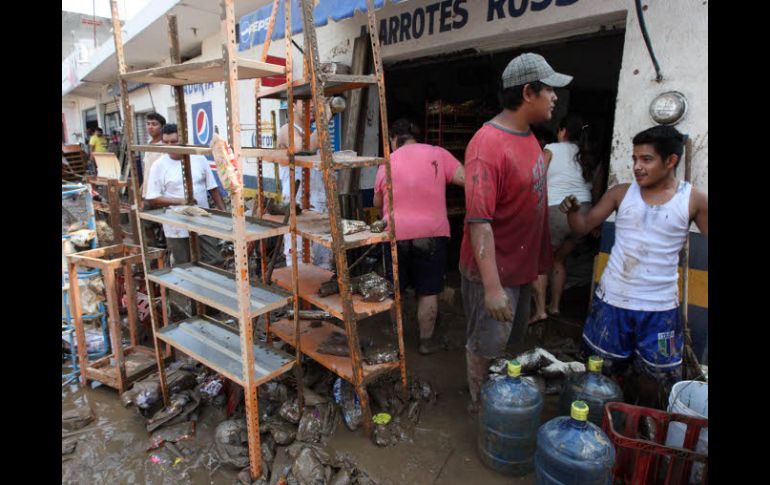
x=317 y=422
x=373 y=287
x=345 y=396
x=351 y=227
x=290 y=411
x=307 y=468
x=227 y=165
x=231 y=441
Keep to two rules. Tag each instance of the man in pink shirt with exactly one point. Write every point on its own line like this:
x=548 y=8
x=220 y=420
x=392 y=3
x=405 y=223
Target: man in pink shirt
x=420 y=175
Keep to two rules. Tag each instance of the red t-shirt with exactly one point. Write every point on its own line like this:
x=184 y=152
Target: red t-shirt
x=505 y=185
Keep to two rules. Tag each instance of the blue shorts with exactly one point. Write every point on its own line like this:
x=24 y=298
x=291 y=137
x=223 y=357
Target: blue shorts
x=654 y=338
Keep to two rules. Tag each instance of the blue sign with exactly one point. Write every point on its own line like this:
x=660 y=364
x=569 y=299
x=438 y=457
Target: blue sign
x=334 y=132
x=253 y=26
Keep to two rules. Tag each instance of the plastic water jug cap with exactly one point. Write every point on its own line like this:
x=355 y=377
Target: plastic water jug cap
x=579 y=411
x=514 y=368
x=595 y=363
x=381 y=418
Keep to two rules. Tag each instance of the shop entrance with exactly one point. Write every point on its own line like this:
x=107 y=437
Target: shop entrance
x=452 y=96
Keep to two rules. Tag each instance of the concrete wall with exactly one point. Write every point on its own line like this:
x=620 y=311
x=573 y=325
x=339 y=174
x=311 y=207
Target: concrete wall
x=679 y=34
x=73 y=107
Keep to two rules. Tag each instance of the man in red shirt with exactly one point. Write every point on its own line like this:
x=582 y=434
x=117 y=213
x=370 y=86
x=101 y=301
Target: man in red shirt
x=506 y=241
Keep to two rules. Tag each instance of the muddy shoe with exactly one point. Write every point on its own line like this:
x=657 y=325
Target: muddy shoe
x=430 y=345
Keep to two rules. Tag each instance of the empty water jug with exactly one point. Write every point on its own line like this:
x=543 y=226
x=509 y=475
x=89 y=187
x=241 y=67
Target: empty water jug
x=592 y=388
x=508 y=422
x=573 y=451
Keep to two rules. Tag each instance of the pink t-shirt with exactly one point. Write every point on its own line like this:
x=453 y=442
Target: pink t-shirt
x=420 y=175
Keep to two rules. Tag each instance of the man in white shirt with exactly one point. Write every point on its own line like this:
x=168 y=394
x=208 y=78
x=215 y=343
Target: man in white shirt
x=165 y=187
x=155 y=123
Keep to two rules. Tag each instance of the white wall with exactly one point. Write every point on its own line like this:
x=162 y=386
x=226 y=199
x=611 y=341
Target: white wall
x=679 y=34
x=73 y=107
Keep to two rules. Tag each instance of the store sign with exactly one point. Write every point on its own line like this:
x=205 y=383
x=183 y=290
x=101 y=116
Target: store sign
x=199 y=88
x=334 y=131
x=449 y=15
x=426 y=20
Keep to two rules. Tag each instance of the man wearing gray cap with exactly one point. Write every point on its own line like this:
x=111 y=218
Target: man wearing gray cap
x=506 y=241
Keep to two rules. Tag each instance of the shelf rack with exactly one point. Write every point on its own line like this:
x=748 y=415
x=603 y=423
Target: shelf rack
x=326 y=229
x=230 y=352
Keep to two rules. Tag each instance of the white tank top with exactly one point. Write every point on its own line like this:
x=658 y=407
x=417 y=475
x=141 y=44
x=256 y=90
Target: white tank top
x=641 y=273
x=564 y=174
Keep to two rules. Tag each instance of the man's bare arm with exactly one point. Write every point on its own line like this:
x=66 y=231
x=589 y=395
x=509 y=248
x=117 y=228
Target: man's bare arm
x=701 y=209
x=495 y=299
x=217 y=199
x=583 y=224
x=459 y=177
x=166 y=201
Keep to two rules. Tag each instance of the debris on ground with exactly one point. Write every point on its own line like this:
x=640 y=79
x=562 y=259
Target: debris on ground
x=146 y=393
x=182 y=405
x=337 y=344
x=172 y=434
x=345 y=396
x=231 y=442
x=68 y=447
x=104 y=233
x=77 y=418
x=542 y=368
x=318 y=423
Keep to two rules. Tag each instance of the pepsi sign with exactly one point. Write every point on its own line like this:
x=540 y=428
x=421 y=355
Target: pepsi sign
x=202 y=123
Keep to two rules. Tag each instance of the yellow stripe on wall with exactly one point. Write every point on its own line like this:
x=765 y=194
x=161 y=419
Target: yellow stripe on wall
x=699 y=281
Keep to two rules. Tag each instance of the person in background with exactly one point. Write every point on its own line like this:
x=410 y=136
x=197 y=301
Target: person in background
x=97 y=142
x=506 y=239
x=154 y=124
x=420 y=174
x=571 y=167
x=165 y=187
x=321 y=255
x=635 y=317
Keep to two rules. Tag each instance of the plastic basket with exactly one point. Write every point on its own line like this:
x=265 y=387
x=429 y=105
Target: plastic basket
x=639 y=460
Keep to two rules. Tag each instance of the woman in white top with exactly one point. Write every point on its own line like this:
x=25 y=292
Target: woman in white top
x=570 y=170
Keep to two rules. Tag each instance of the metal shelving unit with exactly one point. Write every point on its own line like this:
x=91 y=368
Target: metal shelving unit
x=230 y=352
x=326 y=229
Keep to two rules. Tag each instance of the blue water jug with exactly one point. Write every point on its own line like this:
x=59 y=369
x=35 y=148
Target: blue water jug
x=508 y=422
x=592 y=388
x=573 y=451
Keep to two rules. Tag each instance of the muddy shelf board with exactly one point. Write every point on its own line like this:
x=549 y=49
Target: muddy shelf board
x=219 y=348
x=310 y=279
x=217 y=289
x=175 y=149
x=279 y=156
x=313 y=336
x=316 y=227
x=202 y=72
x=335 y=84
x=219 y=224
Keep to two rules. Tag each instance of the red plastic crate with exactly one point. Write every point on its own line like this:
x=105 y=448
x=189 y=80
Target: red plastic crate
x=641 y=461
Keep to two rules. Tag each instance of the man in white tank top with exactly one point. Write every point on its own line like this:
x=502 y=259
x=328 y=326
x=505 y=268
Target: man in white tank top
x=635 y=313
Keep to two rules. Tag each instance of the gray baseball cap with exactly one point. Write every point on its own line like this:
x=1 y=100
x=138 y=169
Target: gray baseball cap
x=528 y=68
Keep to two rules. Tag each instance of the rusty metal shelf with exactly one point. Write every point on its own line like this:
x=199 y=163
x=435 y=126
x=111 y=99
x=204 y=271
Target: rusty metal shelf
x=202 y=72
x=316 y=227
x=312 y=336
x=313 y=162
x=176 y=149
x=219 y=224
x=217 y=289
x=310 y=279
x=334 y=84
x=219 y=348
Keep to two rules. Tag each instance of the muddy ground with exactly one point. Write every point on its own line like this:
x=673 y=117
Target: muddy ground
x=112 y=449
